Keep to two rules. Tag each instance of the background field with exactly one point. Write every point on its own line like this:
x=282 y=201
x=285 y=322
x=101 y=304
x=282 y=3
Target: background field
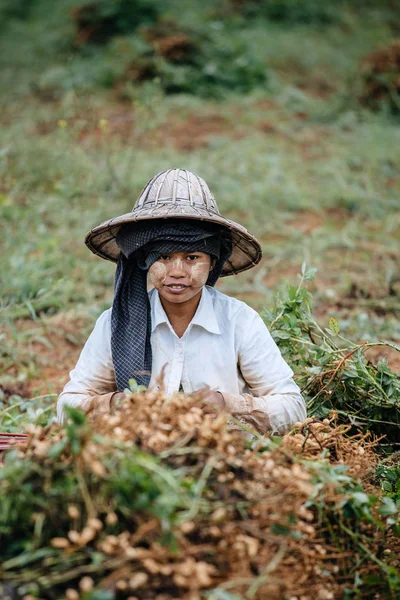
x=297 y=159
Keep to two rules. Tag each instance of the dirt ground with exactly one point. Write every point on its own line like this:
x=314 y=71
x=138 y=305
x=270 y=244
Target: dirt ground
x=51 y=349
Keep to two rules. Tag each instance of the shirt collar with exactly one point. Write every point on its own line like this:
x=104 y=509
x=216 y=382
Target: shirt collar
x=204 y=316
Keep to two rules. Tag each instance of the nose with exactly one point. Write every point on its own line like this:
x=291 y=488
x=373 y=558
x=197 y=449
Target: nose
x=176 y=269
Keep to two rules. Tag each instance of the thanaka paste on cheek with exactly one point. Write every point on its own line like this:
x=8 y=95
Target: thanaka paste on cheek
x=199 y=274
x=157 y=274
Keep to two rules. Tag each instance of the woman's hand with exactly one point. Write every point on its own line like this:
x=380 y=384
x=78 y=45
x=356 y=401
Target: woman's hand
x=102 y=404
x=211 y=402
x=114 y=399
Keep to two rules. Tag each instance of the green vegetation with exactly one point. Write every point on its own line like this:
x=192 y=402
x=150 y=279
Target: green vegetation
x=275 y=105
x=333 y=372
x=293 y=11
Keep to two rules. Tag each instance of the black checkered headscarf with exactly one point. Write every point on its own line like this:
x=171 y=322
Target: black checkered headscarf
x=141 y=244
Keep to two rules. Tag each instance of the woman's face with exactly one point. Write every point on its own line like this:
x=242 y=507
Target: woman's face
x=179 y=276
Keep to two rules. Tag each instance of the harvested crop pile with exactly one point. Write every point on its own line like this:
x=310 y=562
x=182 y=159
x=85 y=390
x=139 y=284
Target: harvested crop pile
x=381 y=78
x=166 y=501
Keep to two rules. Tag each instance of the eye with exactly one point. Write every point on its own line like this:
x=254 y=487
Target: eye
x=164 y=257
x=192 y=257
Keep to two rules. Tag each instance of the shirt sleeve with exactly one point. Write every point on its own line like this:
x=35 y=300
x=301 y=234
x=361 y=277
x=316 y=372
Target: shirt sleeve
x=93 y=377
x=274 y=403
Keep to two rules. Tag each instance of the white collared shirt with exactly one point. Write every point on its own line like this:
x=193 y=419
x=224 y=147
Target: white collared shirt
x=226 y=347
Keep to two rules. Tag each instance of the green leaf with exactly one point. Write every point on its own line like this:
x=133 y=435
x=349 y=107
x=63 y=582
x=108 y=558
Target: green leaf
x=57 y=449
x=392 y=475
x=334 y=326
x=361 y=498
x=372 y=579
x=220 y=594
x=75 y=415
x=386 y=486
x=101 y=595
x=280 y=529
x=135 y=387
x=281 y=335
x=310 y=274
x=388 y=507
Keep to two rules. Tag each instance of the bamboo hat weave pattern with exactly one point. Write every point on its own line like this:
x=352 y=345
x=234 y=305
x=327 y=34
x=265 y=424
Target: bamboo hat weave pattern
x=172 y=194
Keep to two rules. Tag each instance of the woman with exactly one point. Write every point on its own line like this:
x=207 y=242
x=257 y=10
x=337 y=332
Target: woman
x=176 y=240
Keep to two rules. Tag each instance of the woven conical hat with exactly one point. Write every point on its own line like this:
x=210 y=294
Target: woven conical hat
x=173 y=194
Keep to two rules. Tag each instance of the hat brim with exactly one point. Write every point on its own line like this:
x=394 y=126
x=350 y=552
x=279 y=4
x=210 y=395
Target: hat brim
x=246 y=250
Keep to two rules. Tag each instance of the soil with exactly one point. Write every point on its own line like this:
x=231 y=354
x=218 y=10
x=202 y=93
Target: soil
x=196 y=132
x=308 y=221
x=183 y=134
x=380 y=74
x=122 y=124
x=378 y=353
x=52 y=347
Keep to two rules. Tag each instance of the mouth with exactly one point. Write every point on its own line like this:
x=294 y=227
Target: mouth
x=176 y=288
